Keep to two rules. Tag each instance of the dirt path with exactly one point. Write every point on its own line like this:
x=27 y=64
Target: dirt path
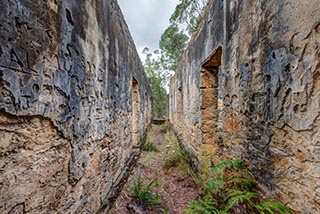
x=176 y=185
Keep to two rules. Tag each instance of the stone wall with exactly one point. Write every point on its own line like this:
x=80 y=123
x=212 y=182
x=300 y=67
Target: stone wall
x=269 y=85
x=67 y=107
x=197 y=73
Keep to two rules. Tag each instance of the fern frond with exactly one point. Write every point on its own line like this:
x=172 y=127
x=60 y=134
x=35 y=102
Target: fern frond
x=205 y=206
x=220 y=166
x=241 y=180
x=237 y=164
x=272 y=207
x=232 y=186
x=247 y=183
x=142 y=192
x=214 y=184
x=234 y=164
x=235 y=197
x=264 y=210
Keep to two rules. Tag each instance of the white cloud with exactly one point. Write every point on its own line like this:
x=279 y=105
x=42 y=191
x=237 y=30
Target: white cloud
x=147 y=19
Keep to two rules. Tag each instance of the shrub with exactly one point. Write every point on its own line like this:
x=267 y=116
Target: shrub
x=144 y=192
x=149 y=146
x=230 y=188
x=176 y=158
x=164 y=128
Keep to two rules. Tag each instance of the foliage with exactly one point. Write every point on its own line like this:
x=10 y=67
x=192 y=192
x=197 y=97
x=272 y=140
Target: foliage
x=150 y=146
x=188 y=12
x=172 y=43
x=160 y=64
x=165 y=211
x=225 y=164
x=176 y=158
x=164 y=128
x=206 y=206
x=229 y=186
x=157 y=80
x=271 y=207
x=144 y=192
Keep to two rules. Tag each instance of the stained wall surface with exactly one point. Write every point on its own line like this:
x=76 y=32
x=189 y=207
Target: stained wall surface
x=66 y=103
x=269 y=94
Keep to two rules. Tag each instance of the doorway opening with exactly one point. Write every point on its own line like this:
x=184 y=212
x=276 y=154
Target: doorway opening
x=135 y=112
x=179 y=103
x=209 y=90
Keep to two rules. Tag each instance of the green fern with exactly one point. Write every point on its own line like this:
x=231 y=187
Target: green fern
x=205 y=206
x=272 y=207
x=241 y=180
x=246 y=183
x=235 y=197
x=214 y=184
x=228 y=164
x=230 y=185
x=143 y=192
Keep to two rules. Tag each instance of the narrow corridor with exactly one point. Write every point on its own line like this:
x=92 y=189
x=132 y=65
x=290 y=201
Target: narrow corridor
x=176 y=184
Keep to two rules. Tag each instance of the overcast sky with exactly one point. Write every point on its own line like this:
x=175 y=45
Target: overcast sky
x=147 y=19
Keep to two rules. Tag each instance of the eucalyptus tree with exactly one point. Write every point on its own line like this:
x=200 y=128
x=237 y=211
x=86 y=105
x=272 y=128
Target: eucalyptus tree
x=183 y=22
x=157 y=81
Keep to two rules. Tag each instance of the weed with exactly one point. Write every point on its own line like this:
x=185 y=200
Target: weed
x=144 y=192
x=150 y=146
x=164 y=128
x=220 y=136
x=165 y=211
x=176 y=158
x=181 y=160
x=229 y=186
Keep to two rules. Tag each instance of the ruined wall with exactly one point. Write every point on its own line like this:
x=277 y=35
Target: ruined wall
x=185 y=101
x=66 y=103
x=270 y=89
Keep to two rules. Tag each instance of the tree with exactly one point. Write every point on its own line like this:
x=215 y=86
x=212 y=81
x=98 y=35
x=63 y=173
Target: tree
x=188 y=13
x=159 y=65
x=174 y=39
x=172 y=44
x=157 y=80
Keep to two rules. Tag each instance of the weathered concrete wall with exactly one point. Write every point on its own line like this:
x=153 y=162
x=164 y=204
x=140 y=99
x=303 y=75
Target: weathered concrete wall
x=270 y=87
x=66 y=103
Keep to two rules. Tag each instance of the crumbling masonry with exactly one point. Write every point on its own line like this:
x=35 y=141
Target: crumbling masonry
x=248 y=86
x=74 y=105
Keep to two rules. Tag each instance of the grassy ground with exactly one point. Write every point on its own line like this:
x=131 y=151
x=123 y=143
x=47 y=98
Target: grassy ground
x=176 y=185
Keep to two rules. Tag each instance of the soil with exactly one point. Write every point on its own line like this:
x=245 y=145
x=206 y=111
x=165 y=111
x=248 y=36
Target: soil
x=177 y=185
